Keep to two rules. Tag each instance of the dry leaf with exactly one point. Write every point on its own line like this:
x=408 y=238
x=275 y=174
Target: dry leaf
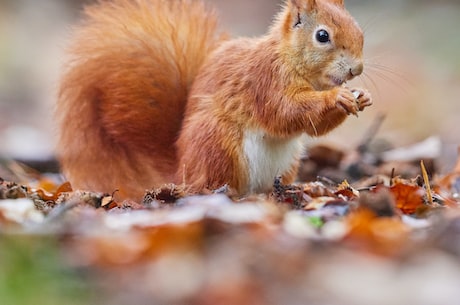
x=408 y=198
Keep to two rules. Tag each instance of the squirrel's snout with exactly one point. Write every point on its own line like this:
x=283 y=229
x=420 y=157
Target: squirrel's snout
x=356 y=70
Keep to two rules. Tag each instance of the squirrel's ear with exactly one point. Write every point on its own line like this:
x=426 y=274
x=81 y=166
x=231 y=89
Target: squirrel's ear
x=304 y=5
x=300 y=11
x=310 y=5
x=338 y=2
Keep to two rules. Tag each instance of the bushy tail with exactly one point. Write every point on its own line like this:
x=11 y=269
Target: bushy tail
x=123 y=93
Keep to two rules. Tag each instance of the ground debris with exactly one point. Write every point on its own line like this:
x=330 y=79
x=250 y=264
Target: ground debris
x=167 y=194
x=177 y=247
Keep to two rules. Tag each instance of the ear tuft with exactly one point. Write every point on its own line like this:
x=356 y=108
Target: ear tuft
x=338 y=2
x=304 y=5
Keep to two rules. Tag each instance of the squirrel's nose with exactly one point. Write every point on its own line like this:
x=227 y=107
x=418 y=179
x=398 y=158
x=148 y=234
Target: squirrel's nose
x=357 y=69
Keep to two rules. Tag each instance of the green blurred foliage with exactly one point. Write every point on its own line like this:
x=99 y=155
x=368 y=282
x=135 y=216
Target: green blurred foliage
x=33 y=272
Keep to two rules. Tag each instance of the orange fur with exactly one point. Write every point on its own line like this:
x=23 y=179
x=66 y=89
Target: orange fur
x=145 y=73
x=123 y=94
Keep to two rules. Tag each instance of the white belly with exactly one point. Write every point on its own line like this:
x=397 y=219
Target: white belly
x=268 y=157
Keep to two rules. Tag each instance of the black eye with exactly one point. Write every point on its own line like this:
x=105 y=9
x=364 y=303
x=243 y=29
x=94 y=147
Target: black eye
x=322 y=36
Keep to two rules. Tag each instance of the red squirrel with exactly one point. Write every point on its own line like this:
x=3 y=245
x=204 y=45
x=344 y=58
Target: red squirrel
x=155 y=93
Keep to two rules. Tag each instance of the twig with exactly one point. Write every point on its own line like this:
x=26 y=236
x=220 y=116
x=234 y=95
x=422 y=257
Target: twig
x=393 y=170
x=371 y=132
x=427 y=183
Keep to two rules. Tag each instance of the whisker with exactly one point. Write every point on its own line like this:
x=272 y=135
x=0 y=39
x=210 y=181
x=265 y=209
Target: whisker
x=381 y=55
x=390 y=79
x=378 y=67
x=371 y=80
x=385 y=68
x=372 y=21
x=388 y=75
x=365 y=78
x=369 y=25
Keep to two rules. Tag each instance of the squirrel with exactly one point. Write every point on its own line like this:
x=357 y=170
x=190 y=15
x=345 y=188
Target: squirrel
x=154 y=93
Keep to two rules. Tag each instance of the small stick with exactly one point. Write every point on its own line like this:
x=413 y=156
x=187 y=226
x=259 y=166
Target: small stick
x=393 y=170
x=371 y=133
x=427 y=183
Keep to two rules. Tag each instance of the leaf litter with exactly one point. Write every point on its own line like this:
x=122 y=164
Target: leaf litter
x=357 y=233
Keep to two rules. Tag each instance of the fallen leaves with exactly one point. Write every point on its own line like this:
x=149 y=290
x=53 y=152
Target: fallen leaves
x=408 y=198
x=179 y=248
x=383 y=235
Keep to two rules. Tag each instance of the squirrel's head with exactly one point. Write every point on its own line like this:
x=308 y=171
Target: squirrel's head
x=322 y=41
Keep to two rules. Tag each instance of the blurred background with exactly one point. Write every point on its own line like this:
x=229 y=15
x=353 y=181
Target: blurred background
x=412 y=55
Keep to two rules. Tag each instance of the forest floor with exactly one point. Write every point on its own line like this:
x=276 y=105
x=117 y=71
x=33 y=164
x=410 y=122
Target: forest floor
x=373 y=226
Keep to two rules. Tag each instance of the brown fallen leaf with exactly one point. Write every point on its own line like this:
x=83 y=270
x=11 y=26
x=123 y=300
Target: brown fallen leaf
x=380 y=235
x=408 y=198
x=346 y=190
x=46 y=195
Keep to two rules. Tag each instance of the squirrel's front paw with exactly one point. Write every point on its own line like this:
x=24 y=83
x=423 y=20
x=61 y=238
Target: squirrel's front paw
x=363 y=98
x=347 y=101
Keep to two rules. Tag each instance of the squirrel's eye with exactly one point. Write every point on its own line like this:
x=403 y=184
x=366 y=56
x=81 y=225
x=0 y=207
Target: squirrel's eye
x=322 y=36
